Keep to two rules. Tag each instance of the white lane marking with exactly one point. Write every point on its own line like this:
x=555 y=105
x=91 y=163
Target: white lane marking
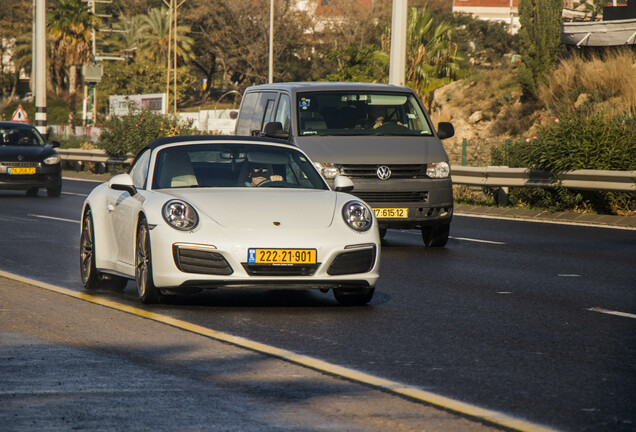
x=54 y=218
x=611 y=312
x=461 y=238
x=477 y=240
x=84 y=180
x=545 y=221
x=568 y=275
x=74 y=194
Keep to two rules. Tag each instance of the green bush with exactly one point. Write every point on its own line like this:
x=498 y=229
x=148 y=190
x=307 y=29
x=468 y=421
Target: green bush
x=574 y=142
x=132 y=132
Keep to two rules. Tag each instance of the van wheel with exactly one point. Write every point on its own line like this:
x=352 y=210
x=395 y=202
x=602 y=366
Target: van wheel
x=436 y=236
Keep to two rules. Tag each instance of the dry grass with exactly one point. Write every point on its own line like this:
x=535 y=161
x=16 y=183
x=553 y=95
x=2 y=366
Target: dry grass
x=608 y=80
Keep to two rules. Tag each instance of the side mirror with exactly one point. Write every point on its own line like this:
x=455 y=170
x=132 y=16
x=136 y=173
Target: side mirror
x=445 y=130
x=54 y=144
x=233 y=115
x=342 y=184
x=275 y=130
x=123 y=182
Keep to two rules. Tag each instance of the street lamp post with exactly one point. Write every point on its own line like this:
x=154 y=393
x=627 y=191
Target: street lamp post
x=40 y=65
x=271 y=42
x=397 y=65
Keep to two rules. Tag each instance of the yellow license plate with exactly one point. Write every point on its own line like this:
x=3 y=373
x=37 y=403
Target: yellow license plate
x=281 y=256
x=386 y=213
x=20 y=170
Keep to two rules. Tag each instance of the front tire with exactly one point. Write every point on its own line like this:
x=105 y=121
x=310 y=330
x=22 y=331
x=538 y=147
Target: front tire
x=348 y=297
x=91 y=278
x=436 y=236
x=55 y=191
x=148 y=292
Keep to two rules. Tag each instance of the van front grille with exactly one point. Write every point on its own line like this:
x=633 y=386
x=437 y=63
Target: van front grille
x=411 y=171
x=392 y=197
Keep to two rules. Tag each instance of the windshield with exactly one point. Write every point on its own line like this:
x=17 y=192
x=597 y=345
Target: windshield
x=20 y=135
x=234 y=165
x=360 y=113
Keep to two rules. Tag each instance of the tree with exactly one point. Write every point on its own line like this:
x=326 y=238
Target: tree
x=155 y=37
x=70 y=27
x=432 y=58
x=15 y=17
x=235 y=34
x=540 y=37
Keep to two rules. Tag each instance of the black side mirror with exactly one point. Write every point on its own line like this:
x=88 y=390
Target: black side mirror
x=275 y=130
x=54 y=144
x=445 y=130
x=233 y=114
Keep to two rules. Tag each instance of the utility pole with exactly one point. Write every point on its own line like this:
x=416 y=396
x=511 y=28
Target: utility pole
x=397 y=65
x=172 y=52
x=40 y=65
x=271 y=42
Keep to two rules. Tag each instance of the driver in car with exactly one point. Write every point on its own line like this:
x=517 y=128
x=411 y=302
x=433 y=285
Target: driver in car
x=259 y=174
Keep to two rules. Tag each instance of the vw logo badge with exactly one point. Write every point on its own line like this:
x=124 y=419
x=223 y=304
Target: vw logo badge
x=383 y=172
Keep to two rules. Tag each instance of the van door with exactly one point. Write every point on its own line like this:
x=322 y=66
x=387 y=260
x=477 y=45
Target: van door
x=263 y=111
x=244 y=122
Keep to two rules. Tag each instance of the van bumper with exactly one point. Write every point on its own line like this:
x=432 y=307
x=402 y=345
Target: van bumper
x=429 y=202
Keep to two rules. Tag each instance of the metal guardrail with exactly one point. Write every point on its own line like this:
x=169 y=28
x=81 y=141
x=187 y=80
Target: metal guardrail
x=95 y=156
x=600 y=180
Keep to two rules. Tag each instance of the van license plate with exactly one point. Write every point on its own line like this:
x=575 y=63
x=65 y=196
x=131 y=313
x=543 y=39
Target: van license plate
x=391 y=213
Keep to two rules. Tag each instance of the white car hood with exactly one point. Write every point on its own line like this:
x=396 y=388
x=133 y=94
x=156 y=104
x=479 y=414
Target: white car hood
x=262 y=208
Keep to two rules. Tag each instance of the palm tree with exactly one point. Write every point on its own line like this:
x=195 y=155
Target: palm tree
x=155 y=37
x=432 y=56
x=70 y=27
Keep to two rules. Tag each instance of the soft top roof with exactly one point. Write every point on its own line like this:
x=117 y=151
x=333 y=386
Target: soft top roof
x=188 y=138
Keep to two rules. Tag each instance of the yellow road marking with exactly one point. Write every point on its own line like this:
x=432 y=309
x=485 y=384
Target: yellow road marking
x=413 y=393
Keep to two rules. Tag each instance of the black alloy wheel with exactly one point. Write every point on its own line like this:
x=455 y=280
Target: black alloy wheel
x=148 y=292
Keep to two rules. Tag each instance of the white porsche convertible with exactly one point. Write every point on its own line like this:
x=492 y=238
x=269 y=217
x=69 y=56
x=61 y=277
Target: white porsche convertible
x=228 y=212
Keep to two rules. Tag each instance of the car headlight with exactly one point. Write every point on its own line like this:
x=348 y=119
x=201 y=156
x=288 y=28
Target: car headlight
x=328 y=170
x=438 y=170
x=180 y=215
x=52 y=160
x=357 y=215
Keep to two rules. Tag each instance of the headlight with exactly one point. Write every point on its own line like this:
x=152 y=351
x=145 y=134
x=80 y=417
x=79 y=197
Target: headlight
x=438 y=170
x=180 y=215
x=52 y=160
x=357 y=215
x=327 y=170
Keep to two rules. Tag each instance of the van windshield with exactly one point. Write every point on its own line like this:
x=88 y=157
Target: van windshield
x=360 y=113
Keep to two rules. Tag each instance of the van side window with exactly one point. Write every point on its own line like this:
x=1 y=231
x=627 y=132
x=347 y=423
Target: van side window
x=283 y=112
x=262 y=112
x=247 y=111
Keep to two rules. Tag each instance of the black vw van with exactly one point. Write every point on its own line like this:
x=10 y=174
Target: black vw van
x=380 y=136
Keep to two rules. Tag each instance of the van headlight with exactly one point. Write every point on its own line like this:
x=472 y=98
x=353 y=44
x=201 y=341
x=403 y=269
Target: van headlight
x=328 y=170
x=438 y=170
x=357 y=215
x=180 y=215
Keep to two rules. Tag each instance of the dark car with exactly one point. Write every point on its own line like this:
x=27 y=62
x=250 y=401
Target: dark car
x=27 y=162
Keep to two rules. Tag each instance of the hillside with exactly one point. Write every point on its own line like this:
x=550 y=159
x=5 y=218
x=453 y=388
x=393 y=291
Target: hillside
x=487 y=108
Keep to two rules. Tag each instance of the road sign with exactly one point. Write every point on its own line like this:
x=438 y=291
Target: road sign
x=20 y=115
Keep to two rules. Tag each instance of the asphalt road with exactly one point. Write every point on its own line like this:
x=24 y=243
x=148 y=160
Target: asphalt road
x=509 y=316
